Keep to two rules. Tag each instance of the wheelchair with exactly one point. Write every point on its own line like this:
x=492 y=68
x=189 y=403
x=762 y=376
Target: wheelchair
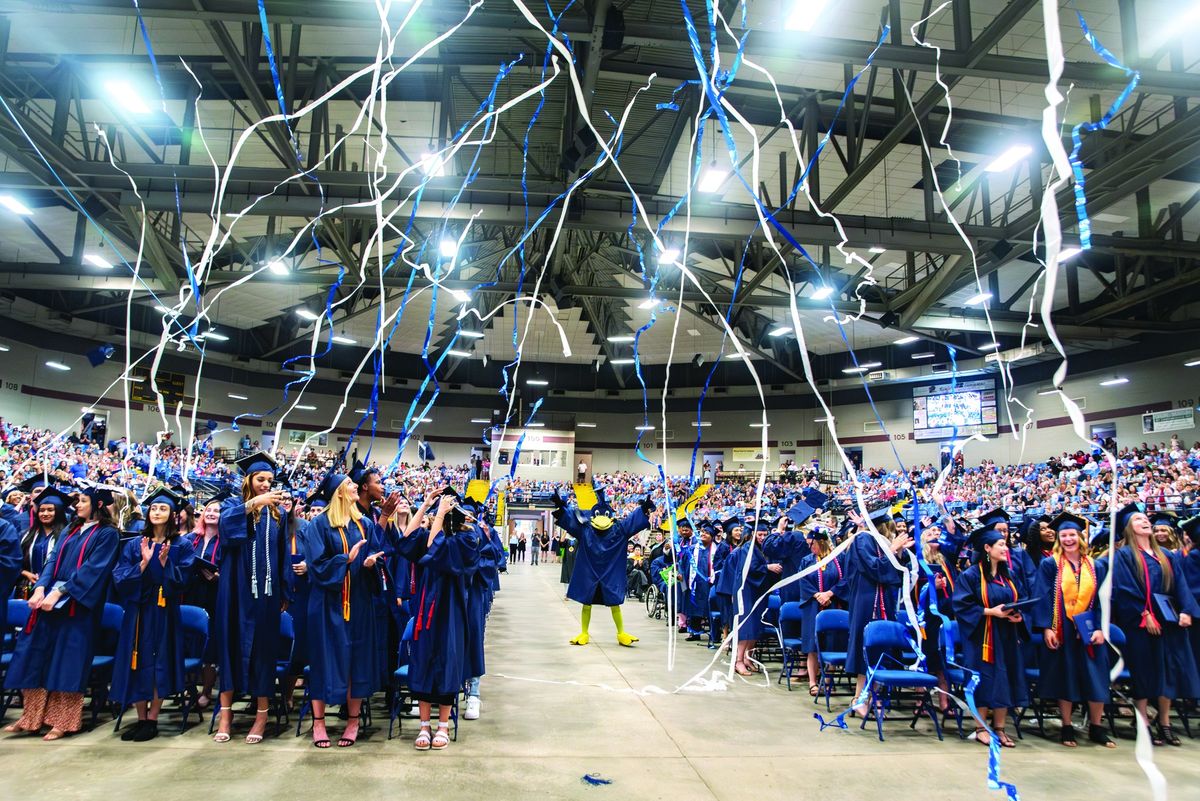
x=656 y=602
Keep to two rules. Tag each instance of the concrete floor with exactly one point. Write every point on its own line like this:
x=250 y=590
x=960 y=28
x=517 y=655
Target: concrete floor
x=539 y=734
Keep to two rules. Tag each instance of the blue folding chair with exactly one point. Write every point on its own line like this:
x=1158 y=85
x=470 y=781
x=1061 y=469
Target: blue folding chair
x=1116 y=639
x=791 y=619
x=831 y=624
x=105 y=657
x=194 y=622
x=885 y=643
x=400 y=677
x=16 y=617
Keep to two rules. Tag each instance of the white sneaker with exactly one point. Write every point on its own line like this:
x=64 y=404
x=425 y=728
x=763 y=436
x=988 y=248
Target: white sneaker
x=415 y=711
x=472 y=712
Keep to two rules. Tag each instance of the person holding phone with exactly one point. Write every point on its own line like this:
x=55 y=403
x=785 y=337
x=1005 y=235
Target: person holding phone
x=206 y=543
x=52 y=657
x=151 y=575
x=1074 y=666
x=341 y=548
x=991 y=631
x=250 y=594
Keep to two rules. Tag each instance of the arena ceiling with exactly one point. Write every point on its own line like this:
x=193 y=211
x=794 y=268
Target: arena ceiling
x=60 y=62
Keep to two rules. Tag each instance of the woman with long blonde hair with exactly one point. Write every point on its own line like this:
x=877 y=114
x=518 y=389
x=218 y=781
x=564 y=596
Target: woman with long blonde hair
x=341 y=548
x=1153 y=606
x=823 y=588
x=250 y=594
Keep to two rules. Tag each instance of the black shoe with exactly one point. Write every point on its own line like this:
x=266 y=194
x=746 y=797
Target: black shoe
x=148 y=731
x=1168 y=736
x=131 y=733
x=1099 y=736
x=692 y=638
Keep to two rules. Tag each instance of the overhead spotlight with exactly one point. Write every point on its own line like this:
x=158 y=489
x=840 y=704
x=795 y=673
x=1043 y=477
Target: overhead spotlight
x=1115 y=381
x=461 y=354
x=906 y=340
x=976 y=300
x=643 y=428
x=53 y=365
x=305 y=314
x=804 y=14
x=98 y=261
x=431 y=162
x=712 y=178
x=925 y=355
x=780 y=331
x=123 y=93
x=448 y=248
x=621 y=338
x=236 y=396
x=668 y=256
x=470 y=334
x=15 y=206
x=342 y=339
x=585 y=425
x=306 y=407
x=537 y=382
x=822 y=292
x=649 y=303
x=988 y=346
x=1192 y=363
x=278 y=267
x=877 y=249
x=213 y=334
x=460 y=295
x=620 y=361
x=1010 y=158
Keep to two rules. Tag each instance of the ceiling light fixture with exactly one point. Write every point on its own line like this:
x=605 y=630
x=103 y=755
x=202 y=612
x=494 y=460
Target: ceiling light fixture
x=780 y=331
x=97 y=261
x=976 y=300
x=585 y=425
x=460 y=295
x=537 y=382
x=213 y=334
x=535 y=425
x=342 y=339
x=906 y=340
x=643 y=428
x=278 y=267
x=448 y=248
x=361 y=411
x=305 y=314
x=1068 y=253
x=712 y=178
x=853 y=370
x=877 y=249
x=306 y=407
x=124 y=94
x=822 y=292
x=481 y=420
x=926 y=355
x=704 y=424
x=760 y=425
x=734 y=355
x=620 y=361
x=57 y=365
x=649 y=303
x=988 y=346
x=236 y=396
x=804 y=14
x=1009 y=158
x=471 y=334
x=621 y=338
x=4 y=348
x=462 y=354
x=1116 y=381
x=15 y=206
x=668 y=256
x=1048 y=391
x=1192 y=363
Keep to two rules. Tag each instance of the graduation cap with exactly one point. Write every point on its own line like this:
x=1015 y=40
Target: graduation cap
x=166 y=496
x=992 y=518
x=30 y=484
x=99 y=496
x=220 y=496
x=1099 y=538
x=800 y=512
x=982 y=537
x=260 y=462
x=359 y=472
x=55 y=497
x=729 y=522
x=1126 y=513
x=880 y=514
x=1190 y=527
x=329 y=485
x=818 y=533
x=1066 y=520
x=316 y=501
x=1163 y=517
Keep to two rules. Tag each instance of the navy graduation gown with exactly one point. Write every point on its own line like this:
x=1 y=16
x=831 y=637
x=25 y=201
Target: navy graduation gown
x=1162 y=665
x=475 y=564
x=202 y=592
x=151 y=630
x=39 y=551
x=54 y=650
x=14 y=516
x=757 y=584
x=872 y=585
x=343 y=653
x=1190 y=563
x=830 y=578
x=250 y=596
x=436 y=667
x=1075 y=671
x=789 y=549
x=927 y=593
x=709 y=562
x=10 y=558
x=299 y=588
x=1001 y=681
x=598 y=576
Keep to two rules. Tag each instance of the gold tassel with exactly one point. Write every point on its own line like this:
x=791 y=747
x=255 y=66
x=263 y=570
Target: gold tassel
x=161 y=600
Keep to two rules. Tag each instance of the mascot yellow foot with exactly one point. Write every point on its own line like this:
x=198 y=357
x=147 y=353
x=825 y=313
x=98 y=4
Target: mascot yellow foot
x=626 y=639
x=582 y=639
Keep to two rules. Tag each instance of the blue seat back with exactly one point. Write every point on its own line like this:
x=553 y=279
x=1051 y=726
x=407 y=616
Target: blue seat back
x=17 y=614
x=832 y=620
x=791 y=618
x=112 y=617
x=287 y=639
x=194 y=622
x=885 y=637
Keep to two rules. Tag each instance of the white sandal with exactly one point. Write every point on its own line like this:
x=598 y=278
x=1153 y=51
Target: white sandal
x=442 y=738
x=422 y=743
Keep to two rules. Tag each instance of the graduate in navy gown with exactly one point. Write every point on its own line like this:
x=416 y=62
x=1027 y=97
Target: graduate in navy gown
x=1020 y=564
x=436 y=670
x=11 y=499
x=250 y=594
x=872 y=585
x=38 y=542
x=10 y=558
x=992 y=635
x=1189 y=557
x=683 y=564
x=665 y=575
x=1075 y=664
x=599 y=573
x=202 y=591
x=709 y=558
x=341 y=548
x=298 y=586
x=152 y=573
x=1149 y=589
x=746 y=587
x=789 y=545
x=935 y=589
x=482 y=582
x=823 y=588
x=52 y=658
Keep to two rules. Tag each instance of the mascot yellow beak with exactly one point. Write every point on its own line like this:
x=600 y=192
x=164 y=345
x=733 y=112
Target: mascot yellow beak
x=601 y=522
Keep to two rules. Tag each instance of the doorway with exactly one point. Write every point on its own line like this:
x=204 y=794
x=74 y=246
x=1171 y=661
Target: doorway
x=583 y=467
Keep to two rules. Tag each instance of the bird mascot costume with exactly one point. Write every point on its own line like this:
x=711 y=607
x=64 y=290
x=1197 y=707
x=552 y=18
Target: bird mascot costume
x=600 y=541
